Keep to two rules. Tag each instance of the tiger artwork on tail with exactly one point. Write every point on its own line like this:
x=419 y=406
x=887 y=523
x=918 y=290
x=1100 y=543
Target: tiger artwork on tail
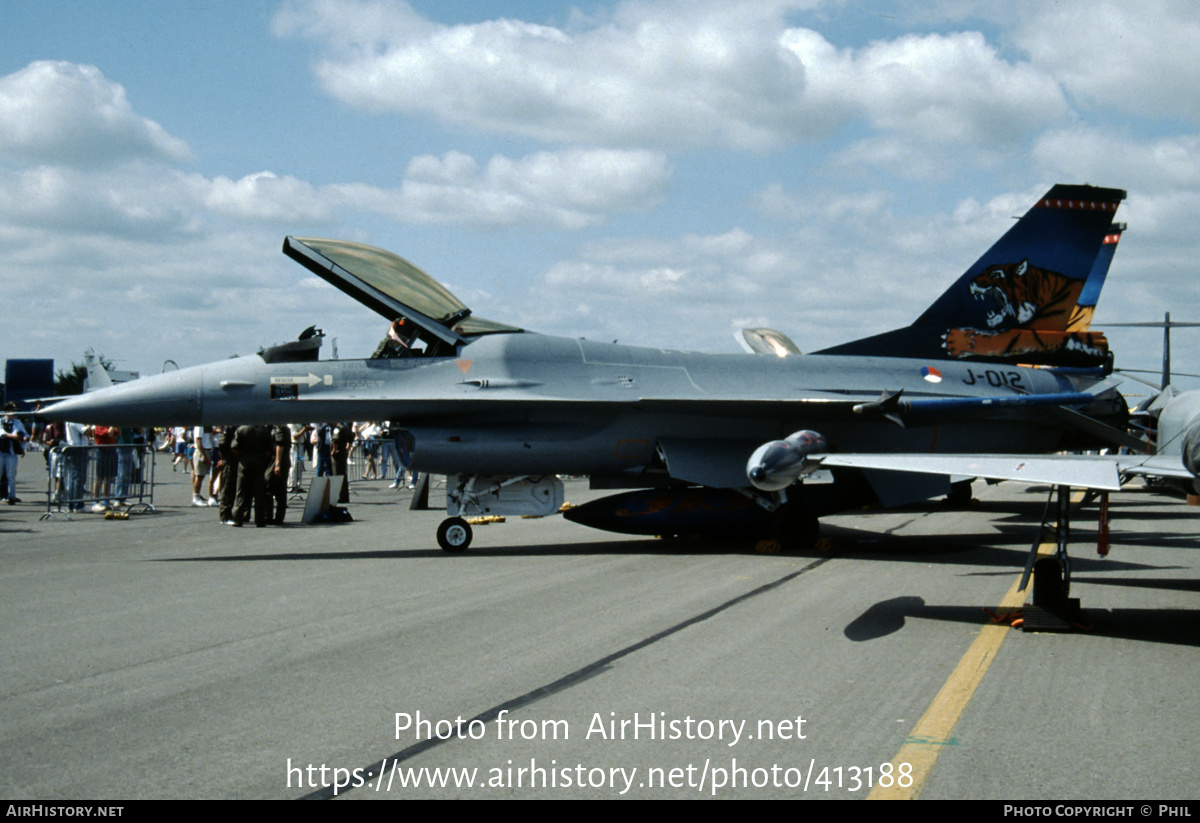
x=1041 y=309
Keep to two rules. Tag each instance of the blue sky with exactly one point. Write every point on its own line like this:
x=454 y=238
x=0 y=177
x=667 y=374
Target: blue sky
x=661 y=173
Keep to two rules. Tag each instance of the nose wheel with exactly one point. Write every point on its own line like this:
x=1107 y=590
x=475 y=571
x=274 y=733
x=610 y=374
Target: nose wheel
x=454 y=535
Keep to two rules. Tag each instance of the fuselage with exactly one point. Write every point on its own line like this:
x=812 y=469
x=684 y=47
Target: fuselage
x=525 y=403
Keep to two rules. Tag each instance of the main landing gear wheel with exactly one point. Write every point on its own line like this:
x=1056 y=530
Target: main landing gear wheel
x=960 y=494
x=1050 y=587
x=454 y=535
x=795 y=529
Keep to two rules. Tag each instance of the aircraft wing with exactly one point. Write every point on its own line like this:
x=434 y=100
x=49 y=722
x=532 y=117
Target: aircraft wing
x=1102 y=472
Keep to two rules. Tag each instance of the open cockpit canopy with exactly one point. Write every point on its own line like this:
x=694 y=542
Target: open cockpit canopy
x=391 y=286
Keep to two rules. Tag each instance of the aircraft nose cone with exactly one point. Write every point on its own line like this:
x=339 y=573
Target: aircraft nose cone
x=164 y=399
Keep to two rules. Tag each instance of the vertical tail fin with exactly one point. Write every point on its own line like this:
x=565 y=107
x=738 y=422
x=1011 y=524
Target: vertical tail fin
x=1029 y=298
x=97 y=375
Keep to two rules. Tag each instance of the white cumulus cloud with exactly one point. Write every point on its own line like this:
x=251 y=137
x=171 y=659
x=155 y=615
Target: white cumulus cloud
x=66 y=113
x=1137 y=57
x=569 y=189
x=666 y=74
x=675 y=75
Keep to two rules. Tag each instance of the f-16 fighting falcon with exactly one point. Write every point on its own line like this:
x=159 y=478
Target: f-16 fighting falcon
x=1001 y=368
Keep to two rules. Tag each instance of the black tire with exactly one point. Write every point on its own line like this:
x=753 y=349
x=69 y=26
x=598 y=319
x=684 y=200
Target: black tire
x=1049 y=587
x=796 y=529
x=960 y=494
x=454 y=535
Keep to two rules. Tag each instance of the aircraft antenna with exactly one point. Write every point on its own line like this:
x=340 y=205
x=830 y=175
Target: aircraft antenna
x=1166 y=324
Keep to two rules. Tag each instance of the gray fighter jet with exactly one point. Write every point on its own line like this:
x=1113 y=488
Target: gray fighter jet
x=701 y=443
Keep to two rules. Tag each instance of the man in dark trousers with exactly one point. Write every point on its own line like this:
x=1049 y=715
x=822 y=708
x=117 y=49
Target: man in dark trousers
x=12 y=446
x=341 y=444
x=277 y=472
x=229 y=473
x=251 y=444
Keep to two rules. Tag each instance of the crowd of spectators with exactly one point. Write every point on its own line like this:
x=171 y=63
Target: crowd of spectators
x=246 y=472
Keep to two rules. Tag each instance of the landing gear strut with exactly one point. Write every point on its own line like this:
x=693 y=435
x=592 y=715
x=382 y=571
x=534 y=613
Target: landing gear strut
x=1052 y=609
x=476 y=494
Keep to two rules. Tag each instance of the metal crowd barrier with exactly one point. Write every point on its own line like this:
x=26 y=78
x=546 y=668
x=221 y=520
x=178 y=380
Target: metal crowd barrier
x=358 y=459
x=116 y=477
x=357 y=463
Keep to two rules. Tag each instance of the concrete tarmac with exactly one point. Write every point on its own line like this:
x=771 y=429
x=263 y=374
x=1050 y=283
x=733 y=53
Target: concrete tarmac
x=167 y=656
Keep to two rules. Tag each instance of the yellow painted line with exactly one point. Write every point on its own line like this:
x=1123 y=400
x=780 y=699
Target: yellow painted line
x=932 y=733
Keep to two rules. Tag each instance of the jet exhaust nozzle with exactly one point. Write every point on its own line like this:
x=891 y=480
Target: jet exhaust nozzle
x=778 y=464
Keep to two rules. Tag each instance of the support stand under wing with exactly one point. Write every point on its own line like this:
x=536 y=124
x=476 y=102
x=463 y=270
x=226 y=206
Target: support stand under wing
x=1052 y=608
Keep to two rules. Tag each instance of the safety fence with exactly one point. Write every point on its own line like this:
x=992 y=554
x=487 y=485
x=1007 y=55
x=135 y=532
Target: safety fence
x=369 y=459
x=99 y=478
x=121 y=478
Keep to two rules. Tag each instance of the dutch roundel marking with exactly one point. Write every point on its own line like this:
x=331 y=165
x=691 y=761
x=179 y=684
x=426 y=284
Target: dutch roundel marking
x=931 y=374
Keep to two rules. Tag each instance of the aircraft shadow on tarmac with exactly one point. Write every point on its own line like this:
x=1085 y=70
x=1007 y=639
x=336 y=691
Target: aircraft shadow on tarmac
x=647 y=546
x=1162 y=541
x=890 y=616
x=839 y=542
x=992 y=546
x=1180 y=585
x=1174 y=626
x=1119 y=513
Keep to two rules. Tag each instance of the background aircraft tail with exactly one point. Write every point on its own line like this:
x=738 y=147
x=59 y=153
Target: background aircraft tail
x=97 y=375
x=1029 y=298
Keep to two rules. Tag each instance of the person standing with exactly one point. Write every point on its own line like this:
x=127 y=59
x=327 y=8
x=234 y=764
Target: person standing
x=322 y=437
x=299 y=433
x=12 y=446
x=105 y=437
x=229 y=475
x=180 y=441
x=251 y=445
x=202 y=466
x=74 y=460
x=391 y=454
x=277 y=472
x=126 y=456
x=52 y=439
x=368 y=433
x=339 y=451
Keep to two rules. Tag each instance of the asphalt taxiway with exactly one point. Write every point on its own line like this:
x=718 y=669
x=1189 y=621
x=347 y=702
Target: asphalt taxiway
x=166 y=656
